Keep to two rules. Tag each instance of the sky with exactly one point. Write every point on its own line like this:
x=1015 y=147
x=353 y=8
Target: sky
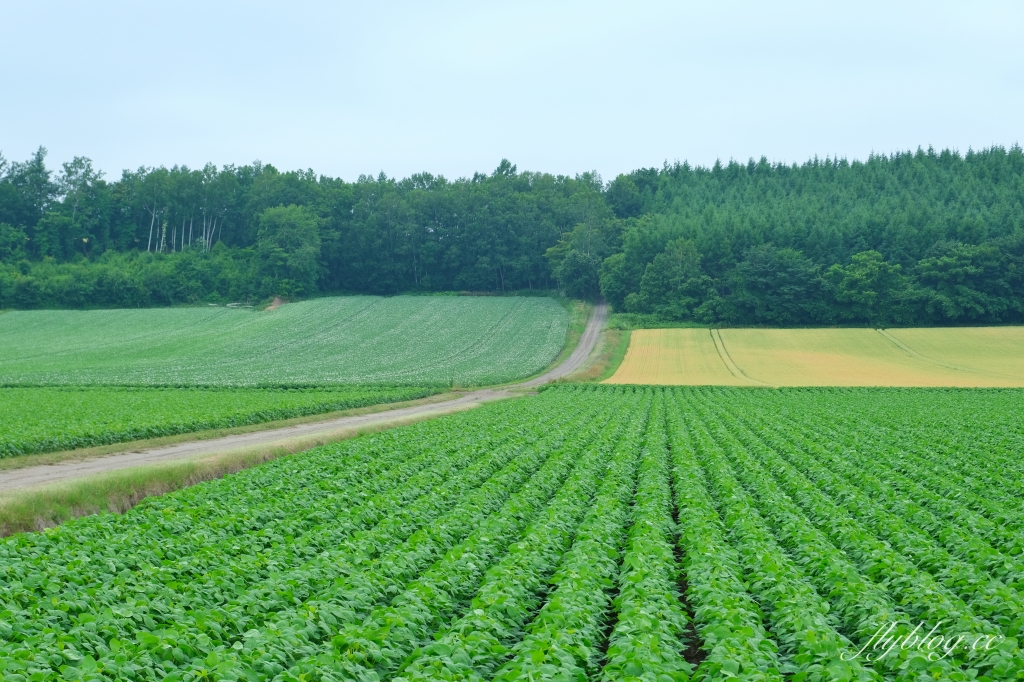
x=451 y=88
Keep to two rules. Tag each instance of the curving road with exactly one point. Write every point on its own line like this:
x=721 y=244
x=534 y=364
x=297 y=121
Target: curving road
x=52 y=473
x=580 y=354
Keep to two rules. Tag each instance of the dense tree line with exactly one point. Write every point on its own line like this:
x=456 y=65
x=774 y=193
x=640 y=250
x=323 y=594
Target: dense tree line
x=912 y=238
x=159 y=236
x=915 y=238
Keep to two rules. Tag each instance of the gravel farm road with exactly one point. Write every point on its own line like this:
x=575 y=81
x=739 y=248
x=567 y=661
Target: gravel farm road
x=32 y=476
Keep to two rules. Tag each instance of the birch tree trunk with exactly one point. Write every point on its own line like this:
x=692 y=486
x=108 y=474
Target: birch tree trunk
x=152 y=220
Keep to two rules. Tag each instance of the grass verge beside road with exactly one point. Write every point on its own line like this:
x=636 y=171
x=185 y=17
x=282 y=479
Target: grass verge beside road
x=606 y=358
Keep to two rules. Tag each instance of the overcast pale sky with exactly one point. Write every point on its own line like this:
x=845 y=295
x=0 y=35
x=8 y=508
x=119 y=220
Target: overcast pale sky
x=453 y=87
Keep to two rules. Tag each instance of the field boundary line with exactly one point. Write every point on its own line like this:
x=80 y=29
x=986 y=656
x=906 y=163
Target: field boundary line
x=730 y=364
x=913 y=353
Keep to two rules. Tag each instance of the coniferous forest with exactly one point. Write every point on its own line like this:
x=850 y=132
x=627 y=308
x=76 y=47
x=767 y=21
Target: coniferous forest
x=915 y=238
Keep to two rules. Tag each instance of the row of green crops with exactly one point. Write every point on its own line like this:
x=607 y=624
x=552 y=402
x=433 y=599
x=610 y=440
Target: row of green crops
x=48 y=419
x=587 y=533
x=412 y=340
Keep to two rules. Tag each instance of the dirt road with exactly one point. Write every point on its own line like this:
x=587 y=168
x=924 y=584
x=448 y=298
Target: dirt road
x=52 y=473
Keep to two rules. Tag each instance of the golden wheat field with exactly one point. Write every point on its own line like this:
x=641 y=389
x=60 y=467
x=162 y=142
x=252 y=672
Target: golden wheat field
x=967 y=357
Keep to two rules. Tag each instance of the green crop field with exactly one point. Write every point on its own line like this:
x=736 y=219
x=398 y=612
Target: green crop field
x=62 y=418
x=588 y=533
x=413 y=340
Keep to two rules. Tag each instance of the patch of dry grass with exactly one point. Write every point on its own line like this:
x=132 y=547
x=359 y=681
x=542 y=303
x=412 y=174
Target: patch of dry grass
x=604 y=360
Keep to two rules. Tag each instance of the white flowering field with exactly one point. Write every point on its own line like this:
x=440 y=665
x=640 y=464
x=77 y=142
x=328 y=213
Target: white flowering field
x=410 y=340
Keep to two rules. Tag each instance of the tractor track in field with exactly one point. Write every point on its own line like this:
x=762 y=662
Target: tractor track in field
x=44 y=474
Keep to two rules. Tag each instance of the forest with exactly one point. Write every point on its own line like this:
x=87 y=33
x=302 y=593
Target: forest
x=912 y=238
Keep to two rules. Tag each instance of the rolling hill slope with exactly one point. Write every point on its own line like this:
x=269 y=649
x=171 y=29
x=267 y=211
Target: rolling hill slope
x=411 y=340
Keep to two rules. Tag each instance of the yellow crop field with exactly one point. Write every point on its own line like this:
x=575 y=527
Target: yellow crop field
x=674 y=356
x=967 y=357
x=999 y=350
